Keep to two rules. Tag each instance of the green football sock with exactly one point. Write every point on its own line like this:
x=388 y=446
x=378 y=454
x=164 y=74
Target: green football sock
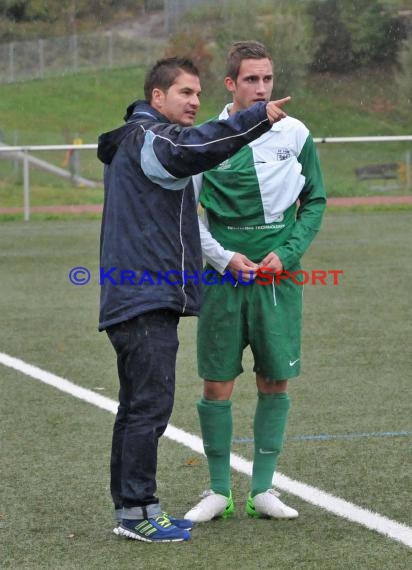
x=269 y=428
x=216 y=425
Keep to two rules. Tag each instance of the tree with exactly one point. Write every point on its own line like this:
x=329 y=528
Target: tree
x=373 y=30
x=403 y=75
x=353 y=33
x=13 y=9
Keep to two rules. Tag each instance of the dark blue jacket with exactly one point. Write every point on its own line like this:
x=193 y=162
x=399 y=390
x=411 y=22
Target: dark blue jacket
x=150 y=245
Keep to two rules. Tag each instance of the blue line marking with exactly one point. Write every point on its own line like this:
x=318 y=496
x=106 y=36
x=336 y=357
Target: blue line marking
x=327 y=437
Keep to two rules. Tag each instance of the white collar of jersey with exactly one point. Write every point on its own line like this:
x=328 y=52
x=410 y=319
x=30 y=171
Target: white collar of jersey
x=225 y=115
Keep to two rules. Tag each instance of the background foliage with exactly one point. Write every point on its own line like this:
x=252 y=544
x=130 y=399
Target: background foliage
x=317 y=36
x=354 y=33
x=304 y=36
x=22 y=19
x=212 y=28
x=404 y=75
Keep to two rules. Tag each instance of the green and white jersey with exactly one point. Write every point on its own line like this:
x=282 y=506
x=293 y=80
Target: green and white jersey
x=251 y=199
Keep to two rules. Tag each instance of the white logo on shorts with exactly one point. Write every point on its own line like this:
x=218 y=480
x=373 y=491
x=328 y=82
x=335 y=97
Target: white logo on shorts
x=292 y=363
x=263 y=452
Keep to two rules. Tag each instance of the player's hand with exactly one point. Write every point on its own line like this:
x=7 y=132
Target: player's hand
x=241 y=263
x=274 y=110
x=272 y=262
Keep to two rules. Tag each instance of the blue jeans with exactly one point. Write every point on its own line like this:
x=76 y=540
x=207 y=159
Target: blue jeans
x=146 y=349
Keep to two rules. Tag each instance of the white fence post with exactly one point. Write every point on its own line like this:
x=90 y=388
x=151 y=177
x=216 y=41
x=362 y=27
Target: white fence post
x=16 y=162
x=26 y=186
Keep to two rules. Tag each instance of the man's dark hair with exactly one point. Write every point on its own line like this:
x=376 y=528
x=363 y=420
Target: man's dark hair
x=164 y=72
x=244 y=50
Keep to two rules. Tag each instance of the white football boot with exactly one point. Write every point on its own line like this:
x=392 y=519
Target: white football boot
x=210 y=507
x=268 y=504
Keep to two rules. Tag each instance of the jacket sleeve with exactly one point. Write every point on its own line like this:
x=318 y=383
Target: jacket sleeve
x=172 y=152
x=312 y=203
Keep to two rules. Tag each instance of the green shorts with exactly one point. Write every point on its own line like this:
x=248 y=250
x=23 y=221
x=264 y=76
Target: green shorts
x=266 y=317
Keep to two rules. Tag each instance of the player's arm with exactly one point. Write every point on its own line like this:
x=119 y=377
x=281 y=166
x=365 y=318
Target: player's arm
x=175 y=152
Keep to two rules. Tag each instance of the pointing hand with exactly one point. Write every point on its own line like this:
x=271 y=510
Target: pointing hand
x=274 y=110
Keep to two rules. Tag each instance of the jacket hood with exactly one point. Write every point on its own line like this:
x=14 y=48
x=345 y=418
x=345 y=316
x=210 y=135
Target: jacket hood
x=109 y=142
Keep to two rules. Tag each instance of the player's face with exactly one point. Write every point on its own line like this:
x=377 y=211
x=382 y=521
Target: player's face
x=254 y=83
x=180 y=103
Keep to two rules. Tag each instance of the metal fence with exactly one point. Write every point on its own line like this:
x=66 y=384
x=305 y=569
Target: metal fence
x=37 y=59
x=375 y=168
x=20 y=61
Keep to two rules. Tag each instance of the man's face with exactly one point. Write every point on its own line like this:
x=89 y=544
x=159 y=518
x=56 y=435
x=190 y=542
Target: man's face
x=254 y=83
x=180 y=103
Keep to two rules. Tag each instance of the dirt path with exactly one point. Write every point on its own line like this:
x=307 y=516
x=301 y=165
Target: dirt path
x=97 y=208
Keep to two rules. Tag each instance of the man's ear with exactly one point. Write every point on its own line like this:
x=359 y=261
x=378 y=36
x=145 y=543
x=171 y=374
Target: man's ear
x=157 y=98
x=230 y=84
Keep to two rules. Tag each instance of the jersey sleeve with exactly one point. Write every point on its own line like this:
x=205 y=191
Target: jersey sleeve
x=214 y=253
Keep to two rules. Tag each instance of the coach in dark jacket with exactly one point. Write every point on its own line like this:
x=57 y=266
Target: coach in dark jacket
x=151 y=264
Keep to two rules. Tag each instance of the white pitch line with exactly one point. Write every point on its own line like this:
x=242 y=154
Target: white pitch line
x=369 y=519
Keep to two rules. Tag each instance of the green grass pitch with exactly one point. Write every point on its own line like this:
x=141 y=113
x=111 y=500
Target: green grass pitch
x=55 y=509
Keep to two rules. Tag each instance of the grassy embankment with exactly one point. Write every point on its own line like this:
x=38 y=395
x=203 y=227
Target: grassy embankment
x=55 y=111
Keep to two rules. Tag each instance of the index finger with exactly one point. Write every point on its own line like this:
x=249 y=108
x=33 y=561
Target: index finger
x=281 y=102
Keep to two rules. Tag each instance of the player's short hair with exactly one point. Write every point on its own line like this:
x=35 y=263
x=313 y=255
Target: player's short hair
x=244 y=50
x=164 y=73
